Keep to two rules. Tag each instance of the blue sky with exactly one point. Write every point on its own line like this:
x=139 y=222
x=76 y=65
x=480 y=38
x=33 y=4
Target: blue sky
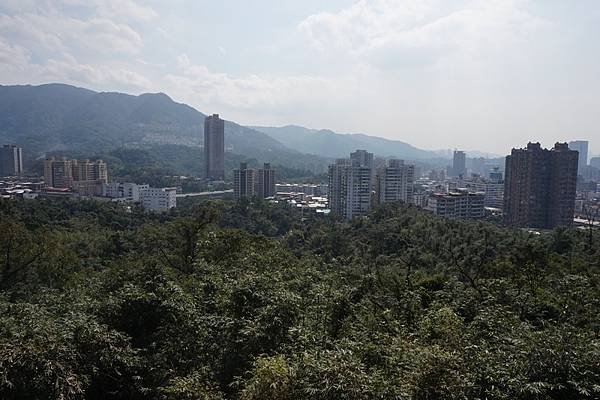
x=473 y=74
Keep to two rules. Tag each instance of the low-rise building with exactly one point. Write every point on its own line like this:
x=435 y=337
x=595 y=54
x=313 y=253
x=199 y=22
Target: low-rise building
x=493 y=191
x=305 y=203
x=158 y=199
x=457 y=204
x=306 y=188
x=123 y=190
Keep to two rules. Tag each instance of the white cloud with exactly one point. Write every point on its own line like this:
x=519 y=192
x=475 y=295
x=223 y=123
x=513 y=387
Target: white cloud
x=53 y=33
x=399 y=32
x=101 y=77
x=15 y=63
x=60 y=45
x=254 y=97
x=113 y=9
x=127 y=9
x=354 y=28
x=197 y=83
x=436 y=73
x=183 y=61
x=12 y=56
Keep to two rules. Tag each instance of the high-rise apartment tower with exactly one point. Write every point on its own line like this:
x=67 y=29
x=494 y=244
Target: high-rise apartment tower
x=11 y=160
x=580 y=146
x=214 y=148
x=540 y=186
x=459 y=164
x=243 y=181
x=350 y=183
x=395 y=182
x=265 y=181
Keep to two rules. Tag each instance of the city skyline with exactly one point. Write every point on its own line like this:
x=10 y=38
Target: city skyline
x=475 y=75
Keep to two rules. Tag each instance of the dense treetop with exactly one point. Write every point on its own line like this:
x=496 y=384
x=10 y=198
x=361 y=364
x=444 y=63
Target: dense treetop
x=251 y=300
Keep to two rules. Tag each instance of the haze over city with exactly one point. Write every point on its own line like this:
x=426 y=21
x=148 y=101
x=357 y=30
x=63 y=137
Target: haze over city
x=477 y=75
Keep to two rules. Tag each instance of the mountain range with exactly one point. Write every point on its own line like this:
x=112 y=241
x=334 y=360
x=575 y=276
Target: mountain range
x=66 y=117
x=327 y=143
x=58 y=117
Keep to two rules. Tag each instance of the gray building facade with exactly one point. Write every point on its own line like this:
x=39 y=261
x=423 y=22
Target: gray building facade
x=580 y=146
x=395 y=182
x=350 y=185
x=459 y=164
x=540 y=186
x=265 y=181
x=11 y=160
x=214 y=148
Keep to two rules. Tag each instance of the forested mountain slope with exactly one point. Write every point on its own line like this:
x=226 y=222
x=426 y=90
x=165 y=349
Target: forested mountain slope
x=57 y=118
x=327 y=143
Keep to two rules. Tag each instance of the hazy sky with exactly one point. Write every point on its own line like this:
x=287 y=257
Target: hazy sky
x=486 y=75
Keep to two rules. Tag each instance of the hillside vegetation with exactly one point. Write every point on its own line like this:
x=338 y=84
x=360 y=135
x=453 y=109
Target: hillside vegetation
x=58 y=118
x=326 y=143
x=223 y=300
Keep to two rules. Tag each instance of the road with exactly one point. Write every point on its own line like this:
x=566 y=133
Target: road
x=206 y=194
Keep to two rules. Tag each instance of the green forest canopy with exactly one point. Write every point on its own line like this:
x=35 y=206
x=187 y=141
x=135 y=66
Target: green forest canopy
x=224 y=300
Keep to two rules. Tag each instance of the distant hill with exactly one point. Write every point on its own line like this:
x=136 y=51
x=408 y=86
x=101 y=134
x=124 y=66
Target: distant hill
x=327 y=143
x=58 y=117
x=55 y=118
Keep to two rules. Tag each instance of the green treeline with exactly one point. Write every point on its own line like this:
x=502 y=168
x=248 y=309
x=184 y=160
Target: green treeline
x=249 y=300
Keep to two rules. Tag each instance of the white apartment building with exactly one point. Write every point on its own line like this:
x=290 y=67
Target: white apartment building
x=158 y=199
x=126 y=190
x=395 y=182
x=350 y=183
x=306 y=188
x=457 y=205
x=493 y=192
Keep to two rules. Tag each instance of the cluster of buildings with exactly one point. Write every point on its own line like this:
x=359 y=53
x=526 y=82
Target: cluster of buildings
x=18 y=187
x=539 y=188
x=152 y=199
x=587 y=203
x=536 y=187
x=90 y=179
x=307 y=197
x=69 y=178
x=308 y=189
x=258 y=182
x=355 y=185
x=82 y=176
x=249 y=182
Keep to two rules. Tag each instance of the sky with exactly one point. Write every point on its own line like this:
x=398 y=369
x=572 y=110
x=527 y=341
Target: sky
x=483 y=75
